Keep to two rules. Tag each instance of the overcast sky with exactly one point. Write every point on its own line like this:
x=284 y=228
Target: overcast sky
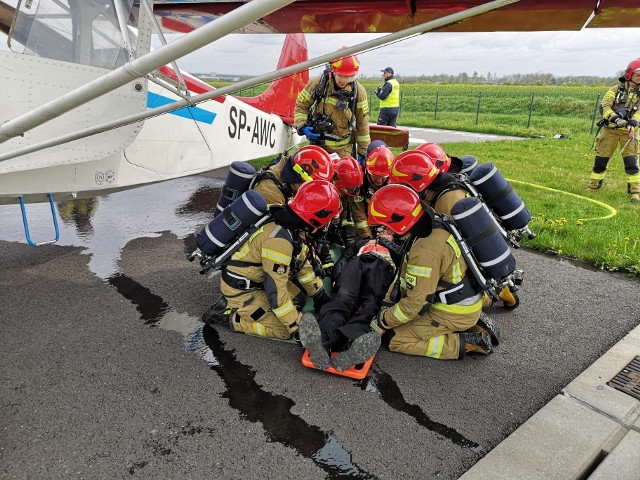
x=601 y=52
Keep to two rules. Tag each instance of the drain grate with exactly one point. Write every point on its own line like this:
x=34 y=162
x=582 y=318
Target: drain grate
x=628 y=380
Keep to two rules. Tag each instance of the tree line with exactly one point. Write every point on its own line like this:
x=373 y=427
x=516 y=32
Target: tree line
x=475 y=78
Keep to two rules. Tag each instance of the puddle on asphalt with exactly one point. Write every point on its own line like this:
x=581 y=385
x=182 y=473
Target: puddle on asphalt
x=382 y=383
x=244 y=394
x=104 y=225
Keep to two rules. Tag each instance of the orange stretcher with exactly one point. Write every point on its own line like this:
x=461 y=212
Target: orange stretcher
x=353 y=372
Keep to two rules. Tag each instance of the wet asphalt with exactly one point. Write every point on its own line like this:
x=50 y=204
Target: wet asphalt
x=107 y=372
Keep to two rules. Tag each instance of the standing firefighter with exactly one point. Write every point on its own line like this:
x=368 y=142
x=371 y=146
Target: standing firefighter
x=389 y=95
x=434 y=306
x=332 y=110
x=266 y=281
x=618 y=128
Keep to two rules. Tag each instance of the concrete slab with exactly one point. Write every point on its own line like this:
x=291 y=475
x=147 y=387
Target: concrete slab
x=591 y=386
x=623 y=463
x=562 y=440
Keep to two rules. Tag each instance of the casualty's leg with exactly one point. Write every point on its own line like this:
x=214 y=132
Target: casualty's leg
x=361 y=349
x=311 y=339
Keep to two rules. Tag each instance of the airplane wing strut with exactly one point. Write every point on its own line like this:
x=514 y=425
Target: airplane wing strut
x=392 y=37
x=143 y=65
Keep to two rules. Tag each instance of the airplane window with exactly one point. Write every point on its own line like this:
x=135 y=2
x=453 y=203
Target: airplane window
x=79 y=31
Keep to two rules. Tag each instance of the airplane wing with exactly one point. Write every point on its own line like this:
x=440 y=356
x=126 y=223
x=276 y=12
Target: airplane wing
x=387 y=16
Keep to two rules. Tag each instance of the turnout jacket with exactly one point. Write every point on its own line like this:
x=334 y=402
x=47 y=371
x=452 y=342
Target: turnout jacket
x=442 y=204
x=267 y=259
x=270 y=189
x=628 y=99
x=341 y=117
x=433 y=264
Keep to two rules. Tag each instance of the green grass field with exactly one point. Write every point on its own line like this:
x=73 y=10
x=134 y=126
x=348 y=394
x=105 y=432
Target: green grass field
x=602 y=227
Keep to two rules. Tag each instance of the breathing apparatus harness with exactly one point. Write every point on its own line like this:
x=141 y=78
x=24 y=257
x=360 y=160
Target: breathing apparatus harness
x=475 y=280
x=462 y=181
x=321 y=122
x=620 y=108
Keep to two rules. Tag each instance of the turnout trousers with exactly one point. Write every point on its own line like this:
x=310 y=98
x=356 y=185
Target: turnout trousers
x=428 y=337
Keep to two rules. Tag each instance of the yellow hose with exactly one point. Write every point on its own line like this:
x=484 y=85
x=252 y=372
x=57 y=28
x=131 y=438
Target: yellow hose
x=612 y=211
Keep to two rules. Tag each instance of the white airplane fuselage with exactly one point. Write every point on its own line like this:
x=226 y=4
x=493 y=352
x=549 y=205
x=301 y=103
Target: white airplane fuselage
x=66 y=52
x=187 y=141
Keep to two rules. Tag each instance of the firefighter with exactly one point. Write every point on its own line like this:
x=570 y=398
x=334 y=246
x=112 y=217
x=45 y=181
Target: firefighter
x=420 y=171
x=440 y=190
x=279 y=182
x=377 y=168
x=344 y=321
x=333 y=111
x=433 y=307
x=349 y=178
x=266 y=281
x=389 y=95
x=618 y=127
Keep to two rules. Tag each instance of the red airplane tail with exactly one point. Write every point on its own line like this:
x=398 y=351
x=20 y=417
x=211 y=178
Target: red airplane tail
x=280 y=97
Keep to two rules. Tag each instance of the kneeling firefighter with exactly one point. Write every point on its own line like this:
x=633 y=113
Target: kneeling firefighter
x=440 y=190
x=279 y=182
x=266 y=281
x=434 y=306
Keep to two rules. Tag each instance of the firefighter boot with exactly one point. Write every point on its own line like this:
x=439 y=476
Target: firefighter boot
x=476 y=342
x=217 y=313
x=487 y=301
x=510 y=299
x=595 y=184
x=633 y=188
x=311 y=339
x=488 y=326
x=362 y=349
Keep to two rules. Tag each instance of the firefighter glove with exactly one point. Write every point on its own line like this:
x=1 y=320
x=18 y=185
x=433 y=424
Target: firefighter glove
x=319 y=299
x=308 y=132
x=361 y=159
x=326 y=259
x=375 y=324
x=618 y=120
x=632 y=123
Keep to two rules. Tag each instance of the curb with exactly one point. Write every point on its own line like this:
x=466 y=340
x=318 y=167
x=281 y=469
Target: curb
x=590 y=430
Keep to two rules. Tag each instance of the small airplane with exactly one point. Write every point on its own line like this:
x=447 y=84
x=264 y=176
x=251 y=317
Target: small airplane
x=92 y=109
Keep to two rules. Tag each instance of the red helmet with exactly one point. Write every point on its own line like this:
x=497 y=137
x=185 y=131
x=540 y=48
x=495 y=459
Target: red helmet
x=397 y=207
x=346 y=66
x=349 y=176
x=316 y=202
x=413 y=168
x=437 y=154
x=379 y=161
x=312 y=162
x=634 y=66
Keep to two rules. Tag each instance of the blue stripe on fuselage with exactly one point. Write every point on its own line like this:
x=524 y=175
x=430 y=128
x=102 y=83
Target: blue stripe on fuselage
x=192 y=113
